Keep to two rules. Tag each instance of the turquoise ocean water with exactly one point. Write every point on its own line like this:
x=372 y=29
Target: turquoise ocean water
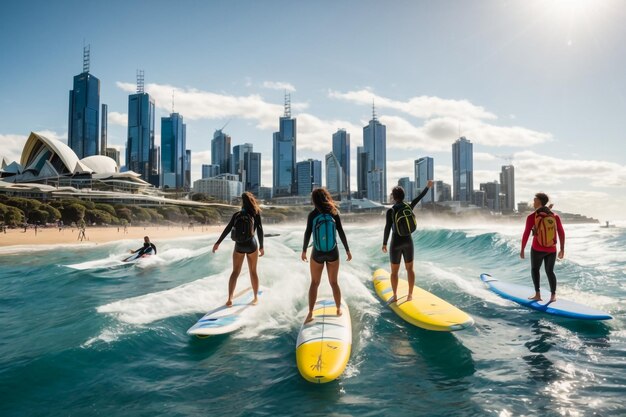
x=82 y=334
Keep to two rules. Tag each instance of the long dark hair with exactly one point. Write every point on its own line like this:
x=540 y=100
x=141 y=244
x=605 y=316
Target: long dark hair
x=249 y=203
x=323 y=201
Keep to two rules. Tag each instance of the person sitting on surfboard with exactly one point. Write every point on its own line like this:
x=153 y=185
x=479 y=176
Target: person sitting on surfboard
x=401 y=219
x=545 y=226
x=243 y=225
x=323 y=222
x=148 y=248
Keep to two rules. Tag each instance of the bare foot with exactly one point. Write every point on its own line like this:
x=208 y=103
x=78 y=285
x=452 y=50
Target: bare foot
x=535 y=298
x=339 y=313
x=255 y=301
x=553 y=298
x=309 y=318
x=229 y=303
x=393 y=299
x=409 y=297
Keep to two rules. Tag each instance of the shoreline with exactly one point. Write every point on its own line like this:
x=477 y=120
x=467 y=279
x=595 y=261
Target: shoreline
x=97 y=235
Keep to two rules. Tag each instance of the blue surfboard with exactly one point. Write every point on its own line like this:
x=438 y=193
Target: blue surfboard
x=561 y=307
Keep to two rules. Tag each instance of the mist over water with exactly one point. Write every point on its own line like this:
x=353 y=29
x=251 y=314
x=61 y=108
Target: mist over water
x=83 y=333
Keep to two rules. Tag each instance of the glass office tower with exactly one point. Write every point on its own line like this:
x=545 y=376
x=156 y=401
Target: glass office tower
x=284 y=155
x=424 y=171
x=375 y=145
x=220 y=151
x=84 y=111
x=341 y=150
x=462 y=170
x=309 y=176
x=173 y=144
x=140 y=154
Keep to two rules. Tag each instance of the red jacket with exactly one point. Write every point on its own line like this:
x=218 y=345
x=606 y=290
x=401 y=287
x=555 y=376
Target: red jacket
x=530 y=222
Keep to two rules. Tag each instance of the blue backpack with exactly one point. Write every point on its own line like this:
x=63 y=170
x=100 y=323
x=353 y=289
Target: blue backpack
x=324 y=232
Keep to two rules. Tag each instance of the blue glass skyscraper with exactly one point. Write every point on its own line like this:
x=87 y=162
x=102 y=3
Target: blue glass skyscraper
x=341 y=150
x=140 y=144
x=284 y=155
x=424 y=171
x=462 y=170
x=252 y=167
x=82 y=131
x=220 y=151
x=309 y=176
x=173 y=144
x=375 y=146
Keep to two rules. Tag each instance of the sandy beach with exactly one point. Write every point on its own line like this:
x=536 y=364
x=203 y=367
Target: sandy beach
x=70 y=235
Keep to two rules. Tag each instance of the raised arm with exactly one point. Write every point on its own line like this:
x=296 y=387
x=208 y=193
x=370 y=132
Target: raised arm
x=422 y=194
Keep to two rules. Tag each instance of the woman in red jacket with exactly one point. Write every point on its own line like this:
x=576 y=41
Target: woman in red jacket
x=545 y=226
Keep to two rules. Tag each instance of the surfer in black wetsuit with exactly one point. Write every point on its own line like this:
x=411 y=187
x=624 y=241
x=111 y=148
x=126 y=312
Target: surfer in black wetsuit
x=324 y=222
x=148 y=248
x=401 y=246
x=244 y=224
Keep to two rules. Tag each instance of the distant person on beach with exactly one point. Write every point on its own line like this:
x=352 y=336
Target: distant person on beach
x=324 y=223
x=545 y=227
x=148 y=248
x=81 y=234
x=243 y=225
x=401 y=219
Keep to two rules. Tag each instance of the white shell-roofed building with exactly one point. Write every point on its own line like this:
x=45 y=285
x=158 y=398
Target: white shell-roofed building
x=50 y=161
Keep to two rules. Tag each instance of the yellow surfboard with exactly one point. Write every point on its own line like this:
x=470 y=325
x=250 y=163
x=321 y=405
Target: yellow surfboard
x=425 y=310
x=324 y=344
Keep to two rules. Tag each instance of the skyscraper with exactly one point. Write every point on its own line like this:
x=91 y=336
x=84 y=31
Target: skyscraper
x=341 y=150
x=462 y=170
x=220 y=151
x=334 y=176
x=507 y=182
x=492 y=195
x=309 y=176
x=210 y=170
x=173 y=144
x=284 y=154
x=82 y=131
x=104 y=130
x=424 y=171
x=238 y=160
x=252 y=167
x=140 y=151
x=408 y=186
x=361 y=172
x=187 y=182
x=375 y=146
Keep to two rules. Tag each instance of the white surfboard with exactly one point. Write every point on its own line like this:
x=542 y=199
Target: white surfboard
x=224 y=319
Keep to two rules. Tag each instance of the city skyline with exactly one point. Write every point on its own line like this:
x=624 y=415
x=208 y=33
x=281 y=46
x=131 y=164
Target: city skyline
x=528 y=84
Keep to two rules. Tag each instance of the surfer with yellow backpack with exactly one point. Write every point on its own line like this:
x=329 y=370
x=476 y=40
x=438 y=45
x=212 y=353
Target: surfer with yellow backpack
x=401 y=219
x=545 y=227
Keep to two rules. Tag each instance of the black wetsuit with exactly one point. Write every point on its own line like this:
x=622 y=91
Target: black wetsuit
x=147 y=248
x=401 y=246
x=318 y=256
x=249 y=246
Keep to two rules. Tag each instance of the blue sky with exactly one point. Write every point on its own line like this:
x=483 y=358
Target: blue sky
x=538 y=83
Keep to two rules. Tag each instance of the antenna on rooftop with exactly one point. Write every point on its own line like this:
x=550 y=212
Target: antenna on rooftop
x=287 y=104
x=140 y=78
x=86 y=57
x=373 y=111
x=223 y=127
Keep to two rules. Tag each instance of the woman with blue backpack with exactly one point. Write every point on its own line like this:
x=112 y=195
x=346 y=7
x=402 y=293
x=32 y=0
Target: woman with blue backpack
x=242 y=227
x=324 y=223
x=401 y=219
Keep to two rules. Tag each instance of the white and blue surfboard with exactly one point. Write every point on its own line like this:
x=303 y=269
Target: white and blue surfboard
x=224 y=319
x=563 y=308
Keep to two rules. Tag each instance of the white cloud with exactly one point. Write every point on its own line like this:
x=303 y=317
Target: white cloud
x=12 y=146
x=116 y=118
x=278 y=85
x=423 y=107
x=533 y=168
